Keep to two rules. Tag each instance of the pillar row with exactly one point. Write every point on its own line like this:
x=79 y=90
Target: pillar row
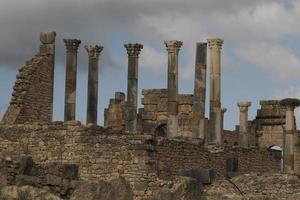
x=71 y=76
x=133 y=51
x=92 y=95
x=173 y=47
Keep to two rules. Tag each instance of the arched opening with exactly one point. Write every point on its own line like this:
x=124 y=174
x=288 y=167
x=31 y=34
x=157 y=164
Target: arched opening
x=278 y=152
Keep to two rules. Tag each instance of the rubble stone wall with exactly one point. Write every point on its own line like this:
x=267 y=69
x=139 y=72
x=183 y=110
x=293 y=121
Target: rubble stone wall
x=175 y=156
x=101 y=154
x=32 y=93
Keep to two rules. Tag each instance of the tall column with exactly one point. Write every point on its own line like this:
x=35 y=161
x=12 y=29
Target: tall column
x=223 y=110
x=92 y=99
x=48 y=48
x=71 y=75
x=198 y=122
x=243 y=130
x=215 y=125
x=133 y=51
x=173 y=47
x=290 y=135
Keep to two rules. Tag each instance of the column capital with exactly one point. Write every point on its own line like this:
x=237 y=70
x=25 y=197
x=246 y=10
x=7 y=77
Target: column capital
x=215 y=43
x=72 y=44
x=173 y=46
x=290 y=103
x=93 y=51
x=243 y=105
x=47 y=37
x=133 y=49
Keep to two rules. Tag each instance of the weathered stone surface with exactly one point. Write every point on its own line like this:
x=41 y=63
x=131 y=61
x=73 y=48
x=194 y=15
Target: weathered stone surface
x=26 y=193
x=255 y=186
x=183 y=188
x=117 y=189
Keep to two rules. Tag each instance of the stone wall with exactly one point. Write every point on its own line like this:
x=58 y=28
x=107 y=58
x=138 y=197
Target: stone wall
x=32 y=94
x=154 y=113
x=268 y=124
x=146 y=162
x=115 y=114
x=175 y=156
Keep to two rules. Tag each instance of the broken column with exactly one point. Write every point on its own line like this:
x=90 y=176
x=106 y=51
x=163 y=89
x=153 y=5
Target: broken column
x=92 y=99
x=47 y=48
x=133 y=51
x=215 y=125
x=173 y=47
x=290 y=134
x=243 y=129
x=198 y=122
x=71 y=75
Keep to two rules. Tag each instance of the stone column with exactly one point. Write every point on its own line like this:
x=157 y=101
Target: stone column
x=173 y=47
x=47 y=48
x=223 y=110
x=215 y=125
x=92 y=99
x=198 y=122
x=133 y=51
x=290 y=134
x=71 y=75
x=243 y=130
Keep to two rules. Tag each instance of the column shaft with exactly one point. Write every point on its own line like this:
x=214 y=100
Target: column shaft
x=243 y=129
x=48 y=48
x=133 y=51
x=71 y=76
x=198 y=122
x=92 y=99
x=215 y=118
x=173 y=47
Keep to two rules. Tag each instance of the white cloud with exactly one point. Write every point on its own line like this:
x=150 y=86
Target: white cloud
x=153 y=59
x=274 y=58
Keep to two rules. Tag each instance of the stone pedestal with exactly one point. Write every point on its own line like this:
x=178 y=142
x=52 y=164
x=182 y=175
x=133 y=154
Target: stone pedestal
x=92 y=99
x=173 y=47
x=290 y=135
x=71 y=76
x=47 y=48
x=133 y=51
x=198 y=122
x=243 y=130
x=215 y=125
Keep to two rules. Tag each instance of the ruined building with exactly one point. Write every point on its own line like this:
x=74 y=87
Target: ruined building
x=149 y=146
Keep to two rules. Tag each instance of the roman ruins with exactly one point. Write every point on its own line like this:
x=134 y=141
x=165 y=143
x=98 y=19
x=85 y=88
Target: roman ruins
x=148 y=146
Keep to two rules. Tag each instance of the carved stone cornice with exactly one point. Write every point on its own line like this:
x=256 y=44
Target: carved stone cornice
x=47 y=37
x=215 y=43
x=72 y=44
x=93 y=51
x=133 y=49
x=173 y=46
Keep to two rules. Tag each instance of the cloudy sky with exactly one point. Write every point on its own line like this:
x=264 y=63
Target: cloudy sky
x=260 y=56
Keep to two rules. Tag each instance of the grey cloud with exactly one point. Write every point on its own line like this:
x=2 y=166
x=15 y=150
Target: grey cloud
x=92 y=21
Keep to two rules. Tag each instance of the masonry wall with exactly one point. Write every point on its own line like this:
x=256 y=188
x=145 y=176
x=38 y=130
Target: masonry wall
x=175 y=156
x=154 y=112
x=32 y=93
x=269 y=124
x=101 y=154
